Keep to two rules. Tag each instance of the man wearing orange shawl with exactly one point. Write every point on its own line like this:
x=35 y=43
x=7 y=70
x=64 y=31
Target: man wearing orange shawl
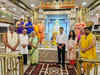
x=41 y=32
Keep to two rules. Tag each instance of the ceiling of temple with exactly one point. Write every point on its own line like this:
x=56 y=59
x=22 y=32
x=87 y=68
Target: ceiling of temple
x=32 y=4
x=12 y=8
x=78 y=2
x=85 y=3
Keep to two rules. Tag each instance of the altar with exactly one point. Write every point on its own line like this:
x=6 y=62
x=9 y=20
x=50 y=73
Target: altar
x=50 y=55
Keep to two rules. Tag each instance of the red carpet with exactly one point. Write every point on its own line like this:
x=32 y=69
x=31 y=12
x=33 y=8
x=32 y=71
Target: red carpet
x=49 y=69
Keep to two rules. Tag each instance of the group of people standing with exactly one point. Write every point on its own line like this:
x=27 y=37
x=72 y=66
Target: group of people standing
x=62 y=43
x=27 y=35
x=86 y=42
x=21 y=37
x=39 y=28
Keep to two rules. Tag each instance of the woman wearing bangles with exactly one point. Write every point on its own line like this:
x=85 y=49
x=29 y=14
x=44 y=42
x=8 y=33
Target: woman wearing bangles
x=71 y=55
x=33 y=42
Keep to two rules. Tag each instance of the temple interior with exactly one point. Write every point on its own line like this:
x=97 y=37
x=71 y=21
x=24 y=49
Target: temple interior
x=42 y=19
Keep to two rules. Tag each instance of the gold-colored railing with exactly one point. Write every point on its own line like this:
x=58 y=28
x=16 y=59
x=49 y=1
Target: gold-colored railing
x=11 y=64
x=2 y=46
x=95 y=62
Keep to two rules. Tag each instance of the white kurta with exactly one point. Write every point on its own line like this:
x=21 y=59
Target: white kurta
x=23 y=41
x=12 y=40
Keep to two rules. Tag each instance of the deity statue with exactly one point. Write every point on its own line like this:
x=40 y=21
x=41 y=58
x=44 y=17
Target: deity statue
x=55 y=32
x=56 y=26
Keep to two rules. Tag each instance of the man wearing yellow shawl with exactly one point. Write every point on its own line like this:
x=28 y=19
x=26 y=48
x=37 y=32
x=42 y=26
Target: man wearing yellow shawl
x=87 y=46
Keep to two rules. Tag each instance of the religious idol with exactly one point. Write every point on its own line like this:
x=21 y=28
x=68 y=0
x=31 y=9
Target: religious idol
x=56 y=26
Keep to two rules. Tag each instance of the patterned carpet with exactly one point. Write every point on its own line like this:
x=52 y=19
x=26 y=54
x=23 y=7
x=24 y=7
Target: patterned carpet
x=49 y=69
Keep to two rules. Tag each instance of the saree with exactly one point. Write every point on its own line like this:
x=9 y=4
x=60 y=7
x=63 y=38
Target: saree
x=34 y=53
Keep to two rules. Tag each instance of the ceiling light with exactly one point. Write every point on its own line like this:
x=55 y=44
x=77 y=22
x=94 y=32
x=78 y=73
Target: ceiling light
x=3 y=16
x=32 y=5
x=84 y=3
x=3 y=8
x=97 y=14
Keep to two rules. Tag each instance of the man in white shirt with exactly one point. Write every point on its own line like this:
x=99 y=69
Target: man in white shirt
x=24 y=45
x=61 y=41
x=11 y=40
